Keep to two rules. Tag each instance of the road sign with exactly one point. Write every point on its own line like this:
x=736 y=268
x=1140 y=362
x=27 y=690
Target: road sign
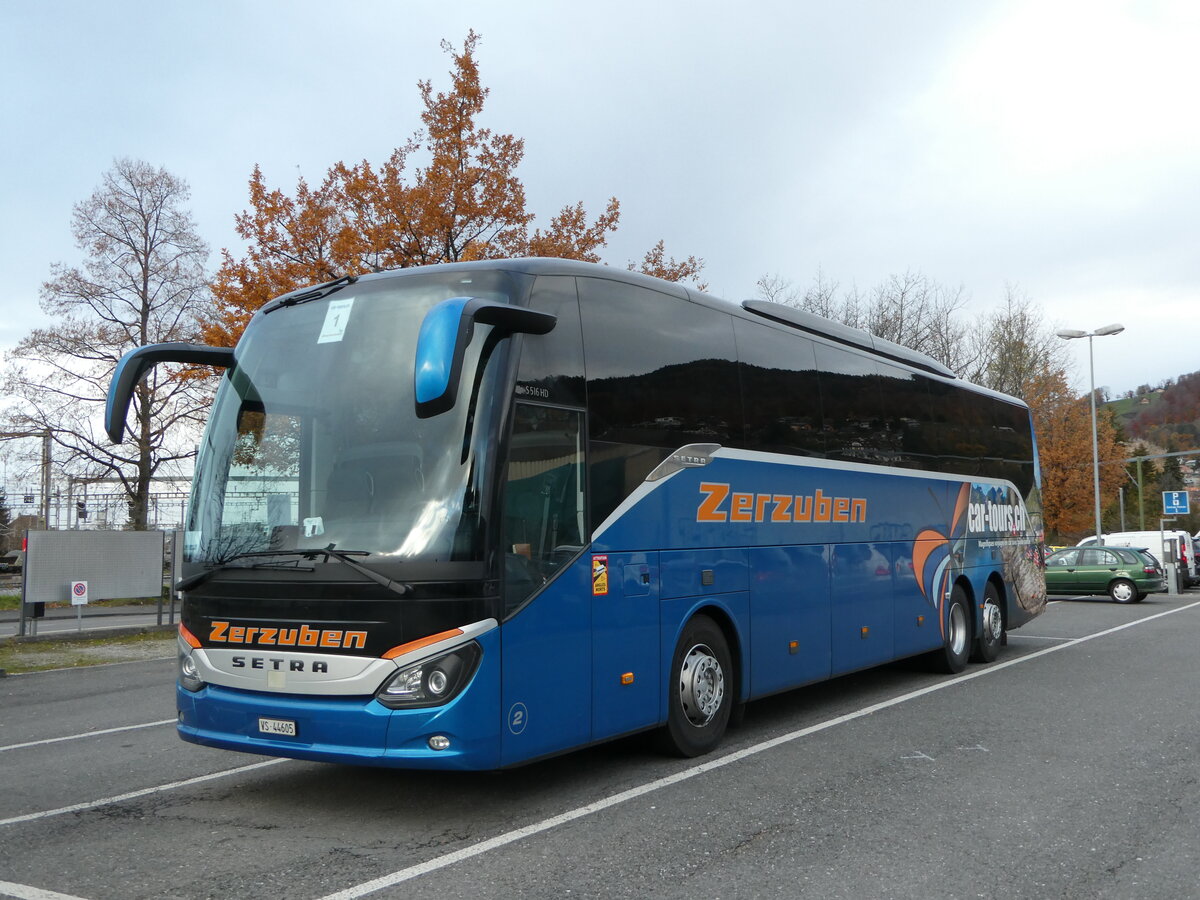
x=1175 y=503
x=79 y=593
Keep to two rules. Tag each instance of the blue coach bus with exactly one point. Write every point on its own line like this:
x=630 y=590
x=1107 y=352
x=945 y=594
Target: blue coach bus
x=472 y=515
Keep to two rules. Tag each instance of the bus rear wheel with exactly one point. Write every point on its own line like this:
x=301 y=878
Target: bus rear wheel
x=991 y=637
x=700 y=691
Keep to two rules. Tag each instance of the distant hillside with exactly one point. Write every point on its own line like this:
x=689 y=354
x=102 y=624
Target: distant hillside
x=1168 y=417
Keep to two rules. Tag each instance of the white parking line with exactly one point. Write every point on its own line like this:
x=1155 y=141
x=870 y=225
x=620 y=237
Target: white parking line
x=85 y=734
x=511 y=837
x=25 y=892
x=1026 y=637
x=133 y=795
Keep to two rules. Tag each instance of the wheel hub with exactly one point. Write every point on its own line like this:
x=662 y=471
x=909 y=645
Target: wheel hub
x=701 y=685
x=993 y=622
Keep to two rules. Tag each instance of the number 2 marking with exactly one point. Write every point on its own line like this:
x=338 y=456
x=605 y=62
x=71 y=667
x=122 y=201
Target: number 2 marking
x=518 y=718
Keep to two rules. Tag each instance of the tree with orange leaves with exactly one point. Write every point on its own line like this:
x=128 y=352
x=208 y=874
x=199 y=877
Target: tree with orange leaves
x=465 y=203
x=1062 y=420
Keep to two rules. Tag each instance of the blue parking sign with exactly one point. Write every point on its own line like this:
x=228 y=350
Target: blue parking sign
x=1175 y=503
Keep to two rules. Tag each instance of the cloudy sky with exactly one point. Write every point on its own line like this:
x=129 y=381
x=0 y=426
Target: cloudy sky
x=1048 y=145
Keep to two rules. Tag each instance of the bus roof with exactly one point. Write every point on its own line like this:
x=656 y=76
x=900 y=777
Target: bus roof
x=762 y=311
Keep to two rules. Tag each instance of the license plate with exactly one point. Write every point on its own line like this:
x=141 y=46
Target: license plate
x=277 y=726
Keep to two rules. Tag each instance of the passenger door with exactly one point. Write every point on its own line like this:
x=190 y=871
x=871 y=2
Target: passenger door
x=546 y=688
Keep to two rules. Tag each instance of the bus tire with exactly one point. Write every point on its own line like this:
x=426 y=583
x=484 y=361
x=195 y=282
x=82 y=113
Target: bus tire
x=700 y=691
x=991 y=632
x=956 y=648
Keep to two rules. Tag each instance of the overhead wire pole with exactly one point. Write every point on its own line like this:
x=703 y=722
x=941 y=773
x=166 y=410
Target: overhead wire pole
x=46 y=479
x=44 y=434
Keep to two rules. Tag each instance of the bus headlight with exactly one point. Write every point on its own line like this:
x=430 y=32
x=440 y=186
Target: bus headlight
x=189 y=674
x=432 y=681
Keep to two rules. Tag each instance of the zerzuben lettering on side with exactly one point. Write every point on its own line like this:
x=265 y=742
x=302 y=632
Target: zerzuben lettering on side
x=757 y=507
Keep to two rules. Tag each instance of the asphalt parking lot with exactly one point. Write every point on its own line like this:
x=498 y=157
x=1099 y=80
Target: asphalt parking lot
x=1067 y=769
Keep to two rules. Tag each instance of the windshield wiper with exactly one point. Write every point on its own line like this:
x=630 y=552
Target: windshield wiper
x=344 y=556
x=186 y=584
x=321 y=290
x=379 y=578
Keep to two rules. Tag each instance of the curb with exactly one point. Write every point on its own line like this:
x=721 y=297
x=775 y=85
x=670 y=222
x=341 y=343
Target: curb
x=68 y=636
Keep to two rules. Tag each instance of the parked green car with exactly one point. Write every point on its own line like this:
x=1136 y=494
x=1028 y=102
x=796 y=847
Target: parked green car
x=1125 y=574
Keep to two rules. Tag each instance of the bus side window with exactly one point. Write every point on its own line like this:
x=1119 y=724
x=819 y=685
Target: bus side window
x=661 y=374
x=544 y=510
x=852 y=406
x=960 y=429
x=781 y=390
x=551 y=367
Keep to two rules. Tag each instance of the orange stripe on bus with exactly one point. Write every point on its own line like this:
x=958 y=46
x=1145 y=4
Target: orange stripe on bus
x=188 y=637
x=421 y=642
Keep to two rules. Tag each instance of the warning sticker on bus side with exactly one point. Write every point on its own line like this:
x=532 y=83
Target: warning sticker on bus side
x=599 y=575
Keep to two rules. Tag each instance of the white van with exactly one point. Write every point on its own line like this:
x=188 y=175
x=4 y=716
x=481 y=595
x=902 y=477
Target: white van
x=1156 y=542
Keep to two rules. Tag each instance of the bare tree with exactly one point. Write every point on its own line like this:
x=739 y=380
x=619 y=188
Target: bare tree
x=142 y=281
x=909 y=309
x=915 y=311
x=1011 y=346
x=777 y=289
x=819 y=298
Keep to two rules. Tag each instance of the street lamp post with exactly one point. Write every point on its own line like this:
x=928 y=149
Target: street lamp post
x=1067 y=334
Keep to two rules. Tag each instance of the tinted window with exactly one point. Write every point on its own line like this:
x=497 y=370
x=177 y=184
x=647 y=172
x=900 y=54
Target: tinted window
x=661 y=373
x=551 y=368
x=781 y=392
x=905 y=417
x=1012 y=444
x=959 y=428
x=851 y=406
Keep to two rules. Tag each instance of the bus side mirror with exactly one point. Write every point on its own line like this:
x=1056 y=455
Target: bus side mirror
x=136 y=363
x=443 y=339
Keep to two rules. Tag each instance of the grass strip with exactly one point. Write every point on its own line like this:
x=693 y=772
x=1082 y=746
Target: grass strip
x=18 y=657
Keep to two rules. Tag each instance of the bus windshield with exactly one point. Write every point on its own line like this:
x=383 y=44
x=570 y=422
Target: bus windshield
x=314 y=441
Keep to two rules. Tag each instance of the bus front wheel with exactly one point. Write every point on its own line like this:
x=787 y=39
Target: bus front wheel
x=700 y=692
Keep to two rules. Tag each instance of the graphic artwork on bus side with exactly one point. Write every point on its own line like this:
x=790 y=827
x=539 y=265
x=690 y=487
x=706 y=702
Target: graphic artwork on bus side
x=987 y=521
